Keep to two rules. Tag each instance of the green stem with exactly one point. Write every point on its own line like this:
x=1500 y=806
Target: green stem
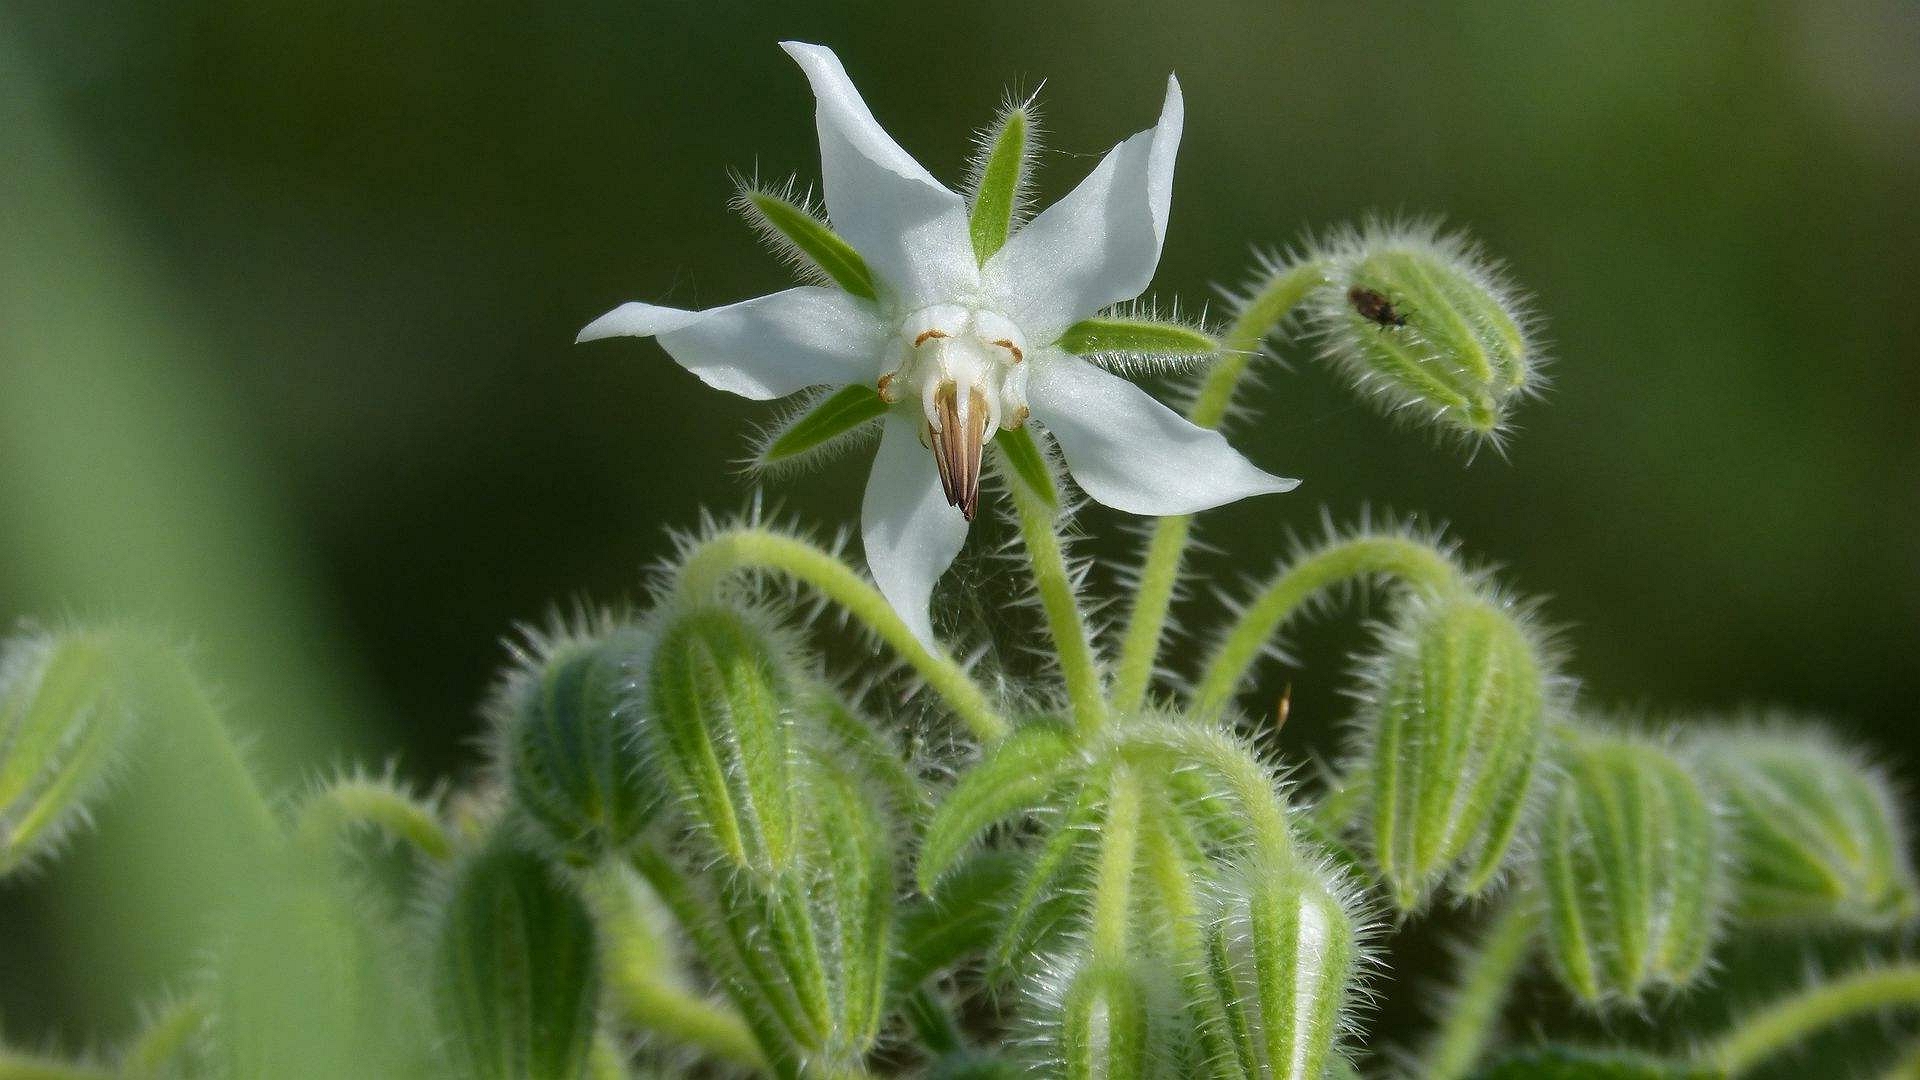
x=162 y=1040
x=714 y=560
x=1473 y=1011
x=356 y=801
x=1252 y=784
x=1113 y=876
x=679 y=1017
x=1050 y=577
x=1412 y=562
x=1160 y=571
x=32 y=1067
x=932 y=1022
x=1778 y=1026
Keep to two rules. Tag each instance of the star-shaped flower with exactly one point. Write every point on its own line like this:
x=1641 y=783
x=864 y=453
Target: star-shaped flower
x=961 y=325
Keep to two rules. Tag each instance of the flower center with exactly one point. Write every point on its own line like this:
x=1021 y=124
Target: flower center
x=966 y=367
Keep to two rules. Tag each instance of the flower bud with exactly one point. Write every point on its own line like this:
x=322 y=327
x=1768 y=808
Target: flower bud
x=515 y=972
x=1630 y=869
x=575 y=765
x=1282 y=958
x=1816 y=831
x=1453 y=707
x=1424 y=324
x=719 y=687
x=1103 y=1019
x=64 y=719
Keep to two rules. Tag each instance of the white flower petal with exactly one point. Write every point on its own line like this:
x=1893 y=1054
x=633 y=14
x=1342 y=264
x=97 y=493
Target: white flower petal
x=763 y=348
x=1100 y=244
x=909 y=227
x=1132 y=453
x=910 y=533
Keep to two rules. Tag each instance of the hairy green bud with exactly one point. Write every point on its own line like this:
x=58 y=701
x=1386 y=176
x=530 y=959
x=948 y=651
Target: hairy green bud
x=1282 y=958
x=1425 y=325
x=1816 y=830
x=1452 y=717
x=1103 y=1019
x=1629 y=864
x=64 y=720
x=515 y=970
x=577 y=769
x=719 y=693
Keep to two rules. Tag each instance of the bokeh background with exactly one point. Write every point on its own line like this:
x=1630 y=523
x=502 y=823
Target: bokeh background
x=287 y=292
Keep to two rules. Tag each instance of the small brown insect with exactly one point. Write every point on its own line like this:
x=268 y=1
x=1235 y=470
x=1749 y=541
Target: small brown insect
x=1374 y=307
x=1283 y=708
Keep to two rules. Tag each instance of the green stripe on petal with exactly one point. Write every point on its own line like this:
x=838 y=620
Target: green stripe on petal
x=835 y=415
x=802 y=236
x=1119 y=335
x=1002 y=176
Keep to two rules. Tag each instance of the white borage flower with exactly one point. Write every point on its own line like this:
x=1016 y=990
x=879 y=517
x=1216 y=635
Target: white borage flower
x=952 y=327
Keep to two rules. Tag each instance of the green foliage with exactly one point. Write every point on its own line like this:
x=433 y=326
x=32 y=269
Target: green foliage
x=797 y=232
x=1452 y=717
x=820 y=426
x=65 y=719
x=514 y=968
x=1630 y=865
x=1568 y=1063
x=1000 y=178
x=1122 y=336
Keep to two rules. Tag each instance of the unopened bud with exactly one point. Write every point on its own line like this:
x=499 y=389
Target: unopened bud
x=1817 y=834
x=717 y=711
x=515 y=970
x=1453 y=712
x=1630 y=868
x=1282 y=959
x=64 y=719
x=576 y=766
x=1103 y=1019
x=1425 y=325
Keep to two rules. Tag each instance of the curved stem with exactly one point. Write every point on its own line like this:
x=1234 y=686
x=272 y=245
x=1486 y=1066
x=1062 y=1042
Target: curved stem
x=1055 y=584
x=1778 y=1026
x=1253 y=786
x=1166 y=550
x=349 y=802
x=1410 y=561
x=1473 y=1010
x=712 y=561
x=1113 y=876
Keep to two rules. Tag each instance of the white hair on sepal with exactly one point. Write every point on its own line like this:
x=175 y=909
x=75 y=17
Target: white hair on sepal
x=793 y=411
x=1012 y=103
x=789 y=191
x=1142 y=364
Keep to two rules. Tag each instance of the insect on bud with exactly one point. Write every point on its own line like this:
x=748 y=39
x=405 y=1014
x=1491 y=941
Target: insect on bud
x=515 y=970
x=1816 y=831
x=718 y=692
x=576 y=766
x=64 y=719
x=1452 y=714
x=1630 y=868
x=1282 y=954
x=1424 y=324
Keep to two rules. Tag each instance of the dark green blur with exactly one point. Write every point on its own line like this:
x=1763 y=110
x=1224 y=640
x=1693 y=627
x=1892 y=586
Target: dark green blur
x=287 y=292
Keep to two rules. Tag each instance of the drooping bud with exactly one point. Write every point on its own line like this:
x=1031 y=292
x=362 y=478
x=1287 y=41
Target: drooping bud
x=1103 y=1019
x=718 y=692
x=1817 y=834
x=1282 y=960
x=515 y=970
x=1452 y=717
x=64 y=720
x=577 y=768
x=1425 y=325
x=1630 y=868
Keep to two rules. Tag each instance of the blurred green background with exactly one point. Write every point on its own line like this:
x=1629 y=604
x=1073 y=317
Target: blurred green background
x=288 y=289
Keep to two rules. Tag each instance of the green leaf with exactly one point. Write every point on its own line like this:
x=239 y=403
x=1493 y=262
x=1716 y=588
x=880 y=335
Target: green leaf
x=960 y=920
x=1022 y=457
x=1002 y=172
x=1119 y=335
x=804 y=237
x=833 y=417
x=1014 y=776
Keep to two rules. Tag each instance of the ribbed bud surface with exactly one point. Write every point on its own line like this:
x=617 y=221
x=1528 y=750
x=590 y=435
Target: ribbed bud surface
x=1629 y=865
x=1453 y=711
x=718 y=714
x=1282 y=956
x=63 y=720
x=1108 y=1023
x=1816 y=832
x=578 y=769
x=515 y=971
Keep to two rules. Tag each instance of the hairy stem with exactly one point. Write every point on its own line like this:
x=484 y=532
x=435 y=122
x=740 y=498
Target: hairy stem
x=1069 y=629
x=1780 y=1025
x=1410 y=561
x=346 y=803
x=713 y=561
x=1253 y=786
x=1473 y=1011
x=1113 y=877
x=1166 y=550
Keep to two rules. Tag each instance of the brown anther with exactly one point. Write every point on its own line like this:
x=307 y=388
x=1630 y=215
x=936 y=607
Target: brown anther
x=957 y=447
x=925 y=334
x=1017 y=419
x=885 y=388
x=1012 y=348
